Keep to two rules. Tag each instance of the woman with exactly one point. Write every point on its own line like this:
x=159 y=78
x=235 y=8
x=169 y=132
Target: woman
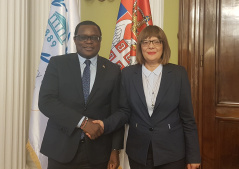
x=156 y=102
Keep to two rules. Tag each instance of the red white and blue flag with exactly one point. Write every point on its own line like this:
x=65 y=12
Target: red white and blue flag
x=133 y=16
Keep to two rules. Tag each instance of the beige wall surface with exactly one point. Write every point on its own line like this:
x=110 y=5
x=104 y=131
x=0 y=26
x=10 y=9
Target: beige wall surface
x=105 y=15
x=171 y=11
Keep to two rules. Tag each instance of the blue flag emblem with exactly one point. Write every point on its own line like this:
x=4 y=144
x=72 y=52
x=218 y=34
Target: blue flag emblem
x=57 y=23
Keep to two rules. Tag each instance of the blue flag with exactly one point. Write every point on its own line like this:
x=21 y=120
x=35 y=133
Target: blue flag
x=63 y=18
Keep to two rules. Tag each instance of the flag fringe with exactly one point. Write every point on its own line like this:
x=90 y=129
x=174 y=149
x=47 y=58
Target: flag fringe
x=33 y=155
x=35 y=158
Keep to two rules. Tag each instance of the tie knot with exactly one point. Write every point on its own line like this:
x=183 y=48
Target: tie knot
x=87 y=62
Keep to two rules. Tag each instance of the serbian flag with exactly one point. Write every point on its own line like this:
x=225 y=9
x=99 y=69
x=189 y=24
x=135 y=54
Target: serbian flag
x=63 y=18
x=133 y=16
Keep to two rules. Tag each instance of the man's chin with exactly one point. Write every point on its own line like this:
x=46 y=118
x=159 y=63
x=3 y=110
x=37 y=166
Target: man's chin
x=88 y=56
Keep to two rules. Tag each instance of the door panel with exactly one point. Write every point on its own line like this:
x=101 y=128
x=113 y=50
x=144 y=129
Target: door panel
x=228 y=53
x=210 y=53
x=227 y=144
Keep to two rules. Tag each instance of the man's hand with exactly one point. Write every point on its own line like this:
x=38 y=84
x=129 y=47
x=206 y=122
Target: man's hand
x=193 y=166
x=114 y=160
x=92 y=130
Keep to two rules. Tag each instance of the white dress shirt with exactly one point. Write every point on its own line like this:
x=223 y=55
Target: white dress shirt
x=151 y=84
x=93 y=68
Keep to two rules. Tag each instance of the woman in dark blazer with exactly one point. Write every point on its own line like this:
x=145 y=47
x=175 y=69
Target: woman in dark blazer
x=156 y=103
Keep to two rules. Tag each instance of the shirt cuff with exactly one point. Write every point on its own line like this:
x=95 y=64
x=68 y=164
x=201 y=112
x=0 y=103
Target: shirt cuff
x=80 y=122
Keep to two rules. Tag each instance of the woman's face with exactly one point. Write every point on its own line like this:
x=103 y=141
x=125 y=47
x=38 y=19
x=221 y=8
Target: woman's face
x=152 y=49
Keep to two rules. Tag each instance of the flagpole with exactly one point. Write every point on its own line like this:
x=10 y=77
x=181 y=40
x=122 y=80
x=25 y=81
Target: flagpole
x=133 y=16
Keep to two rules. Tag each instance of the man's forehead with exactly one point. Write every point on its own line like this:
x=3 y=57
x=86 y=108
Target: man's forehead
x=88 y=28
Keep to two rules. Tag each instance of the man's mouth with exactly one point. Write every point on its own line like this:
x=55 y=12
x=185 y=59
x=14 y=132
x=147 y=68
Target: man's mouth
x=88 y=48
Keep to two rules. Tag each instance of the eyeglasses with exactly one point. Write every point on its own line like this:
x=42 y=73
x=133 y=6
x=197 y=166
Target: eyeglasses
x=146 y=43
x=82 y=38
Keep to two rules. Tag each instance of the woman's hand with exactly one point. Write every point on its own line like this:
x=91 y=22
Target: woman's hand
x=193 y=166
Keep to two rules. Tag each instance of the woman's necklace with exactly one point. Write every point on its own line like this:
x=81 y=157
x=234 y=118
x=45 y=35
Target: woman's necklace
x=153 y=89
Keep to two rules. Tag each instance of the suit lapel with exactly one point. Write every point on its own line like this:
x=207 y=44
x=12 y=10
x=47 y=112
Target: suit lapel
x=100 y=73
x=74 y=66
x=164 y=85
x=138 y=83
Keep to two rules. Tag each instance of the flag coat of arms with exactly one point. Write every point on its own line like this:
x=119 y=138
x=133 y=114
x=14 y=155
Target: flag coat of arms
x=63 y=18
x=133 y=16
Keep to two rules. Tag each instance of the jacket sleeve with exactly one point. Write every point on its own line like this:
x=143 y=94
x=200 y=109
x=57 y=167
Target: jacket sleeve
x=189 y=124
x=50 y=103
x=121 y=116
x=118 y=135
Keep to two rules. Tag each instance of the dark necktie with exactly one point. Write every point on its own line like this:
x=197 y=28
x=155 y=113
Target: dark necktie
x=86 y=80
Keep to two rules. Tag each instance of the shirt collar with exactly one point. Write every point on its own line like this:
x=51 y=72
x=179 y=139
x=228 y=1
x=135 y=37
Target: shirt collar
x=93 y=60
x=156 y=71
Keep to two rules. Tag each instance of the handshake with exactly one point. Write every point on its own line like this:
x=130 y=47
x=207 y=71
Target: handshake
x=92 y=128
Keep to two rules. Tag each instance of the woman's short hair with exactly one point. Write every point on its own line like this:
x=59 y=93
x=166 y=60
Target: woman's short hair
x=148 y=32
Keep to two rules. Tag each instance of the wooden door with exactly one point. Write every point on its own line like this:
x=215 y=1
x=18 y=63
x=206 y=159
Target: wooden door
x=209 y=49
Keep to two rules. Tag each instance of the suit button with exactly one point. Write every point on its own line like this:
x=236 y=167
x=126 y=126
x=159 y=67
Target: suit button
x=151 y=129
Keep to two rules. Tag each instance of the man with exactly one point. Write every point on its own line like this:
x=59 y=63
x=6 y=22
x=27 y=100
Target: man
x=78 y=88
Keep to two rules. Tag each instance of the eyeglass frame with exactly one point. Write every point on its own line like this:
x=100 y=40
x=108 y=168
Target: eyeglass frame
x=153 y=42
x=99 y=38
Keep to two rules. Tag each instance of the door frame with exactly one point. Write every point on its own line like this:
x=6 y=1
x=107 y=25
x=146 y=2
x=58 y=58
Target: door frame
x=190 y=51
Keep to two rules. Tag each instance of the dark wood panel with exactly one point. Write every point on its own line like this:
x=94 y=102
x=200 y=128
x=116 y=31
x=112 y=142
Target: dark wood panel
x=227 y=111
x=208 y=49
x=208 y=84
x=227 y=144
x=189 y=51
x=228 y=60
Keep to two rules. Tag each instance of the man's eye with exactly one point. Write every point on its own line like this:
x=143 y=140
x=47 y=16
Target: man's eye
x=83 y=38
x=95 y=38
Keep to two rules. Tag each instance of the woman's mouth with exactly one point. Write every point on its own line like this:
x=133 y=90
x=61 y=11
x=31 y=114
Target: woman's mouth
x=151 y=53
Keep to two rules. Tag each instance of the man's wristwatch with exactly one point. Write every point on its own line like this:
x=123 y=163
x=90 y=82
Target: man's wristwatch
x=116 y=150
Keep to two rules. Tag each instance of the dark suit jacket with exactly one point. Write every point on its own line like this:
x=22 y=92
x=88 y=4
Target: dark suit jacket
x=171 y=129
x=61 y=100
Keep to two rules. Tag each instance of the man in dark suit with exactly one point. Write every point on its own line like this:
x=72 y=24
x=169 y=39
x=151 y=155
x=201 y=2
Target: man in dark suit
x=78 y=88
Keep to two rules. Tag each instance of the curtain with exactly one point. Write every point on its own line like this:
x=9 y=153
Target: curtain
x=13 y=85
x=157 y=11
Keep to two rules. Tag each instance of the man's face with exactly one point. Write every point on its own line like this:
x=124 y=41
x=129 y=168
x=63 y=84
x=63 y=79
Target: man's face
x=86 y=41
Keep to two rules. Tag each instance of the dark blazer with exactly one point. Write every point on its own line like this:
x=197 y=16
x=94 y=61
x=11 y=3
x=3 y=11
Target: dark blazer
x=171 y=129
x=61 y=100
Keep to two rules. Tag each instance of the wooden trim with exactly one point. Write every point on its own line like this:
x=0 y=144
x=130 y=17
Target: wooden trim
x=190 y=51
